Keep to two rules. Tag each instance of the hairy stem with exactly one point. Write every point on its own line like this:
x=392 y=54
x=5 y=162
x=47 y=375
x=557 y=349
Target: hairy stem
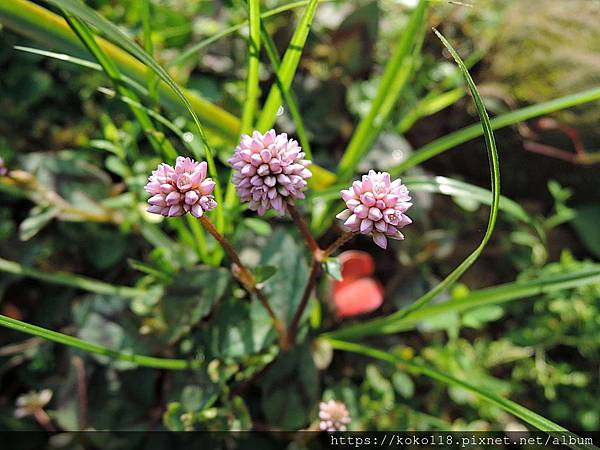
x=337 y=244
x=241 y=272
x=303 y=227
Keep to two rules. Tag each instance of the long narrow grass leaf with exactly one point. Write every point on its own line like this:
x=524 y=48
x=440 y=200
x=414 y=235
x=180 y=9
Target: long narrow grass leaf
x=187 y=54
x=140 y=360
x=496 y=295
x=68 y=279
x=394 y=77
x=289 y=65
x=252 y=81
x=530 y=417
x=369 y=328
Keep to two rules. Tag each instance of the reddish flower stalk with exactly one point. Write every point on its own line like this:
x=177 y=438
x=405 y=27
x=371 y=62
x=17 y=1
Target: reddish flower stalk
x=303 y=227
x=245 y=277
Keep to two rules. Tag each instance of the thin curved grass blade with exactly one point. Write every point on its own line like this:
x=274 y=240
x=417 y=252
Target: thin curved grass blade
x=60 y=338
x=496 y=295
x=112 y=32
x=289 y=65
x=530 y=417
x=395 y=75
x=371 y=327
x=68 y=279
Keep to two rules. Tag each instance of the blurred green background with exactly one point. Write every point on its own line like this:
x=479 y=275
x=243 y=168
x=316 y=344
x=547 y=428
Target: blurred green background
x=65 y=134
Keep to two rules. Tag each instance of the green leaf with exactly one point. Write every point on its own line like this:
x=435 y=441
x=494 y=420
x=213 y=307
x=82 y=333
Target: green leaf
x=333 y=269
x=238 y=329
x=393 y=80
x=480 y=316
x=190 y=297
x=263 y=273
x=259 y=226
x=195 y=398
x=284 y=407
x=172 y=417
x=403 y=384
x=509 y=406
x=375 y=326
x=38 y=218
x=284 y=289
x=289 y=65
x=586 y=224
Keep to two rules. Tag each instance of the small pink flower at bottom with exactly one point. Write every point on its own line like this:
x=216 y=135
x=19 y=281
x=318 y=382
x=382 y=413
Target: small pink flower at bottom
x=3 y=169
x=269 y=170
x=182 y=189
x=376 y=206
x=334 y=416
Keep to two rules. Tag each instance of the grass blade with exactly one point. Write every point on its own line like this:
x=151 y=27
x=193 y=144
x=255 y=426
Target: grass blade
x=322 y=178
x=394 y=77
x=187 y=54
x=428 y=106
x=86 y=14
x=252 y=86
x=68 y=279
x=140 y=360
x=370 y=327
x=162 y=147
x=528 y=416
x=288 y=94
x=444 y=186
x=484 y=297
x=288 y=68
x=463 y=135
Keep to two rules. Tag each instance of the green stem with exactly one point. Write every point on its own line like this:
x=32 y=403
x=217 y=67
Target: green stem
x=67 y=279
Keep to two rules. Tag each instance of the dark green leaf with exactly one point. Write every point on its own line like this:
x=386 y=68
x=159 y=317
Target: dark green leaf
x=284 y=289
x=191 y=296
x=290 y=389
x=587 y=223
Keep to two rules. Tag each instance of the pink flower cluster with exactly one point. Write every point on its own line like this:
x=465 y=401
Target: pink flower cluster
x=182 y=189
x=3 y=169
x=269 y=169
x=376 y=206
x=334 y=416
